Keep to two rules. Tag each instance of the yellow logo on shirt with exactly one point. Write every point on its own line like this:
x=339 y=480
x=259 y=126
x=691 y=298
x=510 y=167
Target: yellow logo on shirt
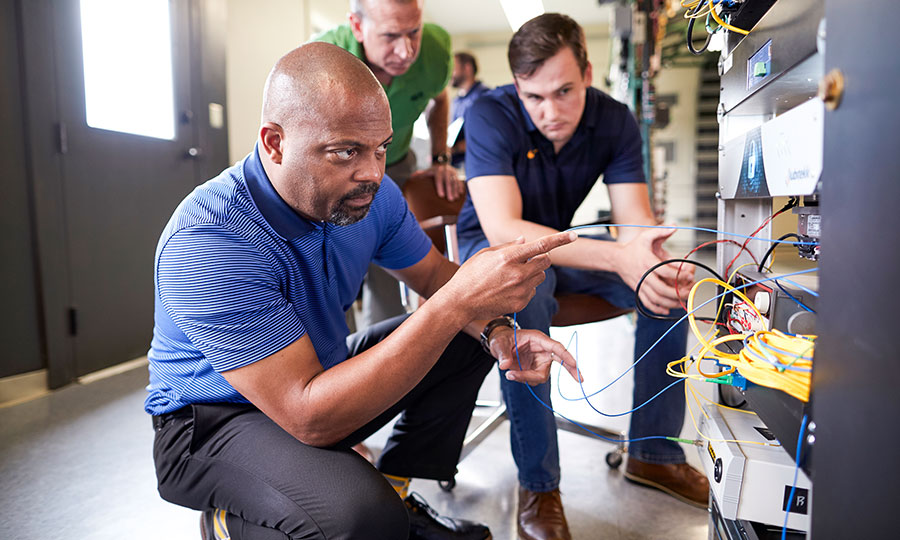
x=532 y=153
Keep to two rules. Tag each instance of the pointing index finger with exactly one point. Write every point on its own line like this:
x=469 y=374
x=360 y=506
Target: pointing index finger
x=545 y=244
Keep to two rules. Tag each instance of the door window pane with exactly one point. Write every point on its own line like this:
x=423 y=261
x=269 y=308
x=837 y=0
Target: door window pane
x=127 y=48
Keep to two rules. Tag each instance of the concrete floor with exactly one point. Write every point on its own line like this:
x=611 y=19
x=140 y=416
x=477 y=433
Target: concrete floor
x=77 y=463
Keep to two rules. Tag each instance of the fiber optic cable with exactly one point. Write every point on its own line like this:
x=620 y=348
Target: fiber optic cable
x=586 y=397
x=787 y=511
x=719 y=20
x=683 y=228
x=786 y=365
x=689 y=315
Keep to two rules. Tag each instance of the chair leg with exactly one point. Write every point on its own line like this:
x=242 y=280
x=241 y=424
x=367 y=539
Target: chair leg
x=613 y=457
x=485 y=428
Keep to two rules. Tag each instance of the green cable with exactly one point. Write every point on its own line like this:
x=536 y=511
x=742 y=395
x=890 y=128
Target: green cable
x=695 y=442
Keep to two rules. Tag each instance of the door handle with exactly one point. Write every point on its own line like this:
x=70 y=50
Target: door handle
x=193 y=152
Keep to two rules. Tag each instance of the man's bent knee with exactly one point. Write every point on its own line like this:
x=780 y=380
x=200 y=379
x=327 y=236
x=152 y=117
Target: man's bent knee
x=373 y=516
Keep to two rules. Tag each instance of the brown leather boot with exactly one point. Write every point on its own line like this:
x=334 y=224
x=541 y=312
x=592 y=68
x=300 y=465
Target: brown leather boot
x=541 y=516
x=679 y=480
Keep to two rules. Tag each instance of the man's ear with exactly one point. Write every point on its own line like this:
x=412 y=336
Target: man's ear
x=356 y=26
x=588 y=74
x=271 y=141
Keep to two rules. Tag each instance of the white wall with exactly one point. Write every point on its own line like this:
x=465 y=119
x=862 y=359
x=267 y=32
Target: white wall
x=257 y=38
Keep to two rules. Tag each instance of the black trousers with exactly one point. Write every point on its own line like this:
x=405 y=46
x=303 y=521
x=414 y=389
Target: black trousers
x=233 y=457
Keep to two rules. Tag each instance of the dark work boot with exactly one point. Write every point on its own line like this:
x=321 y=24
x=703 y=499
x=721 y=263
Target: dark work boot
x=425 y=523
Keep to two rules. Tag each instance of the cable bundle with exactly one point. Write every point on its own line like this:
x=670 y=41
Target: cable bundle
x=769 y=358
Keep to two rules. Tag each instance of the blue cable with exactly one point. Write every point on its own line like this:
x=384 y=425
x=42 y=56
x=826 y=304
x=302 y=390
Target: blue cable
x=791 y=296
x=771 y=240
x=551 y=409
x=787 y=511
x=763 y=358
x=703 y=229
x=801 y=287
x=676 y=323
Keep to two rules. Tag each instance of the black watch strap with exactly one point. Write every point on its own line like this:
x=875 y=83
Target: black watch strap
x=491 y=326
x=441 y=159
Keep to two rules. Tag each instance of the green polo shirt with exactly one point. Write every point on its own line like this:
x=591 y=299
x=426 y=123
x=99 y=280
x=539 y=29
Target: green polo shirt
x=409 y=93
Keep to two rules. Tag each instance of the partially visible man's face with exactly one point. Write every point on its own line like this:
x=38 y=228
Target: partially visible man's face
x=336 y=160
x=460 y=73
x=390 y=33
x=554 y=96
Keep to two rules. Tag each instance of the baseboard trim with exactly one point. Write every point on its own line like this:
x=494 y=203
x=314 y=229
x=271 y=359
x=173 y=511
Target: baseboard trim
x=17 y=389
x=113 y=370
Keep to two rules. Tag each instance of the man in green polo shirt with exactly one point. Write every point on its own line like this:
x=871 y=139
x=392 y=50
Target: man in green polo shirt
x=413 y=62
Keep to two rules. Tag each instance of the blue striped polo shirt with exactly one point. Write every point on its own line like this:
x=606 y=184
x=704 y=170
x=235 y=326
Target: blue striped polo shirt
x=239 y=276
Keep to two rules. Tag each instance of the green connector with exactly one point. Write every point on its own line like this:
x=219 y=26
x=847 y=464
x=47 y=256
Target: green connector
x=725 y=379
x=695 y=442
x=760 y=69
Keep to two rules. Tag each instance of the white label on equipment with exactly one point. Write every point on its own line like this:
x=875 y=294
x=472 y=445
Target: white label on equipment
x=726 y=66
x=814 y=225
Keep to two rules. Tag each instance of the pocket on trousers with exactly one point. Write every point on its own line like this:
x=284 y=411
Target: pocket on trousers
x=209 y=418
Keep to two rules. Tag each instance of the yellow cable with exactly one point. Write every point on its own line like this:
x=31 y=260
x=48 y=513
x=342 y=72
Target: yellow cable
x=719 y=20
x=768 y=358
x=696 y=427
x=736 y=270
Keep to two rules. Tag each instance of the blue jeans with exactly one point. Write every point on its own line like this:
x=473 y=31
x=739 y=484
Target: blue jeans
x=533 y=427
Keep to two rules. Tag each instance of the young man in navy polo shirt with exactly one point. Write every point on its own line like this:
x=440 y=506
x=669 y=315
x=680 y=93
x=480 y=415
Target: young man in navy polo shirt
x=256 y=389
x=534 y=151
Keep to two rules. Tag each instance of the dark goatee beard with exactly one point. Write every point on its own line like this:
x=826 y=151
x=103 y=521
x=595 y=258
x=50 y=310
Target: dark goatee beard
x=342 y=214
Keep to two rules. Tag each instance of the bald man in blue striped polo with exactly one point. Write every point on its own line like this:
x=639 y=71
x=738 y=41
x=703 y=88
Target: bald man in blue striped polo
x=257 y=391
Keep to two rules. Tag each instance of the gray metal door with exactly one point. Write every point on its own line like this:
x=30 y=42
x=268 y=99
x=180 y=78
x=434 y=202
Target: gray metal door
x=119 y=189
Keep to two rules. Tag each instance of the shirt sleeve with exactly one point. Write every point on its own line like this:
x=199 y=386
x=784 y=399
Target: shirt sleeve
x=627 y=165
x=226 y=296
x=403 y=243
x=490 y=136
x=440 y=59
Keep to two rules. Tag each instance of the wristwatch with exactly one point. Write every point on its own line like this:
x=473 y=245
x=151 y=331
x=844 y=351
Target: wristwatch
x=491 y=326
x=441 y=159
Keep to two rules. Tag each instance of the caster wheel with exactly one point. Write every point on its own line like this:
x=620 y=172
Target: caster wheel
x=447 y=485
x=614 y=459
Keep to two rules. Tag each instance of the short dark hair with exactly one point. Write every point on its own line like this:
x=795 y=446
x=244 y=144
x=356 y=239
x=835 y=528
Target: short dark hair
x=466 y=58
x=541 y=38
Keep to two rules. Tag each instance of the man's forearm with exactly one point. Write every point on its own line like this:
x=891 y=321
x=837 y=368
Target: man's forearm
x=333 y=403
x=439 y=279
x=438 y=120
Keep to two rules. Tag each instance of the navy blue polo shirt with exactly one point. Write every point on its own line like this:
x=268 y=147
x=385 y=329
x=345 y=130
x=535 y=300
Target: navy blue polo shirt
x=501 y=140
x=239 y=276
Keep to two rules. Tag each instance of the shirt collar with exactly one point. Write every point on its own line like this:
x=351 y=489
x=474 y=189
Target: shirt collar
x=281 y=217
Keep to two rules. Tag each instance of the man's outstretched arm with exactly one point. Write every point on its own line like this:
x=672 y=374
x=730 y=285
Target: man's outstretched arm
x=498 y=202
x=321 y=407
